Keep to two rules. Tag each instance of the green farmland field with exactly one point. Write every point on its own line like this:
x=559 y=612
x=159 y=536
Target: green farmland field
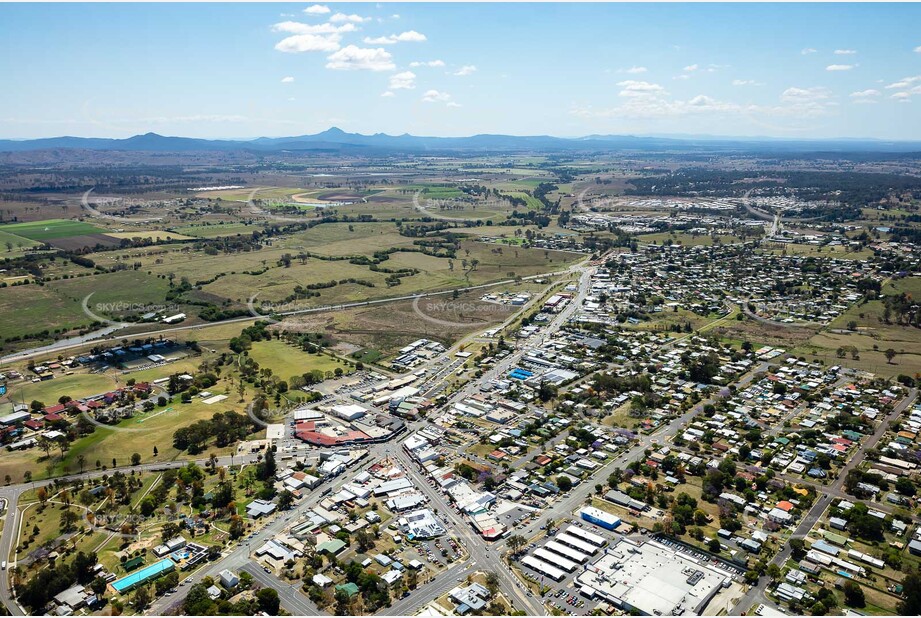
x=50 y=229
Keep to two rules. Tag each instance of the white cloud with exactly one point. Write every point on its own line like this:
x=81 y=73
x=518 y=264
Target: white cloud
x=353 y=58
x=430 y=63
x=341 y=17
x=633 y=88
x=795 y=103
x=317 y=9
x=866 y=93
x=387 y=93
x=905 y=82
x=435 y=96
x=296 y=27
x=300 y=43
x=403 y=81
x=901 y=96
x=453 y=104
x=411 y=36
x=918 y=49
x=805 y=95
x=745 y=82
x=690 y=68
x=467 y=69
x=845 y=52
x=840 y=67
x=635 y=70
x=287 y=80
x=808 y=50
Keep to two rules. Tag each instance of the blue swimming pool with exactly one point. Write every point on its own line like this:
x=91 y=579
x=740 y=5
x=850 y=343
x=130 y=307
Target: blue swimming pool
x=144 y=575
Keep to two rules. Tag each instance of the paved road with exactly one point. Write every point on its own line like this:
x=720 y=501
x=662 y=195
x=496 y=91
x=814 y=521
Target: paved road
x=108 y=333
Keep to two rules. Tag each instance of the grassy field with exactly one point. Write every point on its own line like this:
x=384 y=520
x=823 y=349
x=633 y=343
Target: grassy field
x=11 y=244
x=285 y=360
x=155 y=235
x=836 y=251
x=873 y=337
x=242 y=195
x=114 y=293
x=217 y=229
x=76 y=385
x=337 y=239
x=50 y=229
x=532 y=202
x=688 y=240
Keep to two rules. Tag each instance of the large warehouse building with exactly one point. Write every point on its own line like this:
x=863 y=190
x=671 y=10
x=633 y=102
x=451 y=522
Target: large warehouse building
x=653 y=579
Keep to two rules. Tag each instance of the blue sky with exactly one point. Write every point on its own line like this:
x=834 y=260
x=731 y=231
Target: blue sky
x=246 y=70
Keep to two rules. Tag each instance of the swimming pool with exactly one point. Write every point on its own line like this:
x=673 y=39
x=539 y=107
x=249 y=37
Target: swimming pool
x=144 y=575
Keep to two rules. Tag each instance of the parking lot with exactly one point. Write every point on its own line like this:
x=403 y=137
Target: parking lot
x=701 y=555
x=564 y=595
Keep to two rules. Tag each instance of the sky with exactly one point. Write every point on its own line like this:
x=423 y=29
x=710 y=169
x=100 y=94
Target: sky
x=248 y=70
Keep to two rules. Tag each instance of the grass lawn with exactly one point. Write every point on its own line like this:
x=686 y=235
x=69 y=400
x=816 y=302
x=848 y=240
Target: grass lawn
x=145 y=432
x=49 y=229
x=77 y=385
x=285 y=360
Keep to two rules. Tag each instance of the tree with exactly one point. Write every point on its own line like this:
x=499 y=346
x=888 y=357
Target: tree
x=142 y=598
x=365 y=540
x=890 y=354
x=99 y=586
x=266 y=470
x=135 y=459
x=516 y=542
x=237 y=527
x=773 y=572
x=564 y=483
x=714 y=546
x=69 y=519
x=492 y=582
x=911 y=592
x=853 y=594
x=797 y=548
x=285 y=500
x=268 y=601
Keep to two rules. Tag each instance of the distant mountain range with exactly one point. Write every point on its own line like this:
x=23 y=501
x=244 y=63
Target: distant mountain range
x=335 y=139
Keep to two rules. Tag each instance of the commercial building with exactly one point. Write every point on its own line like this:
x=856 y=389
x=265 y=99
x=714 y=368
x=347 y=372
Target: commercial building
x=543 y=568
x=599 y=518
x=653 y=579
